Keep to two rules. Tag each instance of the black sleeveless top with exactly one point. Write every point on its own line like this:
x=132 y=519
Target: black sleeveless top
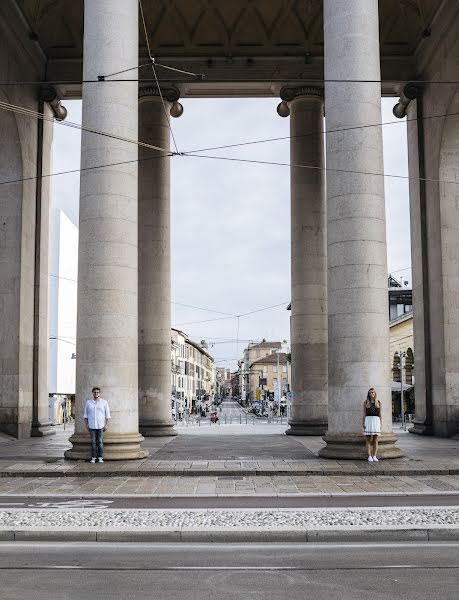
x=372 y=410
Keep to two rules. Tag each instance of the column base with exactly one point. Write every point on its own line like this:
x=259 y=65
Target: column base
x=117 y=446
x=420 y=428
x=351 y=446
x=42 y=429
x=307 y=428
x=155 y=429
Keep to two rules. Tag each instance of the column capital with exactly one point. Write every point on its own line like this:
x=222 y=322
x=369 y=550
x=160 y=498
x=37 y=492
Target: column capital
x=289 y=94
x=50 y=95
x=170 y=94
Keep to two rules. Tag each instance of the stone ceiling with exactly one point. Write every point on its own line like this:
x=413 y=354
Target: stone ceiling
x=229 y=28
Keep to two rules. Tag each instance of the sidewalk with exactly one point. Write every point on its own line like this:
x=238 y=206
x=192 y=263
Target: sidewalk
x=228 y=452
x=46 y=498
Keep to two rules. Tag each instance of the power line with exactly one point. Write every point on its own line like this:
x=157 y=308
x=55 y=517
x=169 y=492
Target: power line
x=317 y=168
x=152 y=61
x=193 y=154
x=400 y=270
x=321 y=132
x=38 y=115
x=237 y=316
x=175 y=303
x=58 y=82
x=201 y=308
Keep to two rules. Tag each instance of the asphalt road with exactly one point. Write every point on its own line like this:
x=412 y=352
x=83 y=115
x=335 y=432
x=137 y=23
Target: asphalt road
x=259 y=501
x=228 y=572
x=231 y=411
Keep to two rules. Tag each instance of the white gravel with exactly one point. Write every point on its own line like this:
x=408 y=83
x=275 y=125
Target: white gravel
x=223 y=518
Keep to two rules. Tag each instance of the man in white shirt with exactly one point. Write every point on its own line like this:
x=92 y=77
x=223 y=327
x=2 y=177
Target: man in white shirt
x=96 y=416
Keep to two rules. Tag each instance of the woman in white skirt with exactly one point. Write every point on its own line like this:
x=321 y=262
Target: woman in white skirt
x=372 y=424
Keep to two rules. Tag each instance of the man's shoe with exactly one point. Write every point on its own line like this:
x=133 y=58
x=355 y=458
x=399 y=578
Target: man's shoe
x=101 y=459
x=375 y=459
x=93 y=460
x=370 y=459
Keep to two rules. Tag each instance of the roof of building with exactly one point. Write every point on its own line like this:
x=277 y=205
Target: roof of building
x=265 y=344
x=401 y=319
x=194 y=344
x=271 y=359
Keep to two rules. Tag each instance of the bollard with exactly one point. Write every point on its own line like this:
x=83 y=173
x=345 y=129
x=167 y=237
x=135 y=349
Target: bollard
x=240 y=419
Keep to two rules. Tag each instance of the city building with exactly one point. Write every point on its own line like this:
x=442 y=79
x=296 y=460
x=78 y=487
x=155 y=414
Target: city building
x=62 y=316
x=253 y=352
x=192 y=374
x=270 y=377
x=401 y=342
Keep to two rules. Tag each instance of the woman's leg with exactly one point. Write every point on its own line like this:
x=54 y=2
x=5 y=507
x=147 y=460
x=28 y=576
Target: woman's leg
x=375 y=445
x=368 y=444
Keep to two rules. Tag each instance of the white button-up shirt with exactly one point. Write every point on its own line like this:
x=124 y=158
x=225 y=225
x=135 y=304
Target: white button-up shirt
x=97 y=413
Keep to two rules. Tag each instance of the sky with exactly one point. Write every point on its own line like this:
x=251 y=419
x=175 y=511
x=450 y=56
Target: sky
x=230 y=229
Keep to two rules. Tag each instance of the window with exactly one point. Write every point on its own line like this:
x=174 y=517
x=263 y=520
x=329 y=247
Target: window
x=284 y=369
x=274 y=369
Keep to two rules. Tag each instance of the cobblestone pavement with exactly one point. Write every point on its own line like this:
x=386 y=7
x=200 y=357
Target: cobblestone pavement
x=255 y=518
x=223 y=486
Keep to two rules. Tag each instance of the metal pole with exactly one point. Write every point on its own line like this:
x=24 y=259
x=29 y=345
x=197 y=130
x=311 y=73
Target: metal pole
x=279 y=385
x=402 y=400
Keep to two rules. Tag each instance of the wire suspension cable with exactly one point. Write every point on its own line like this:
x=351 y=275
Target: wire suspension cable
x=192 y=153
x=321 y=132
x=301 y=81
x=38 y=115
x=299 y=166
x=152 y=59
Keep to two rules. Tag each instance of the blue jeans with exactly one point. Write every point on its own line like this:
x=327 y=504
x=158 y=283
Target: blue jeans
x=97 y=443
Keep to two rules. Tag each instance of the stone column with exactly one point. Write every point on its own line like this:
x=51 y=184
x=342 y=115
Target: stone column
x=41 y=424
x=309 y=261
x=155 y=415
x=357 y=272
x=107 y=322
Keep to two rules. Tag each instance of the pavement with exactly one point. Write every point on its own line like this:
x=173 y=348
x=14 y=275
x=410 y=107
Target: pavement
x=229 y=483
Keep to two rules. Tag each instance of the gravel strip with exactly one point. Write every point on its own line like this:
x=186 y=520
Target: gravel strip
x=253 y=519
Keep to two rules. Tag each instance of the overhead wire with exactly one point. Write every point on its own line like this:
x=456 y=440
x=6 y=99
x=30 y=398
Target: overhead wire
x=321 y=132
x=38 y=115
x=317 y=168
x=152 y=59
x=193 y=153
x=303 y=81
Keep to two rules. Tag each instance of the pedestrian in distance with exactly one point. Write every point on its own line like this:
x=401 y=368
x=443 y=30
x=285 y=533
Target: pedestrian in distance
x=372 y=424
x=96 y=417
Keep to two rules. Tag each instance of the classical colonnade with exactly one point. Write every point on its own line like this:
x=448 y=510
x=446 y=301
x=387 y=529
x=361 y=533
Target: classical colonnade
x=123 y=329
x=339 y=326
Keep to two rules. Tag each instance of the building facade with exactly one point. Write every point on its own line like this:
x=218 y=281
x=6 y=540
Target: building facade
x=192 y=375
x=270 y=375
x=332 y=57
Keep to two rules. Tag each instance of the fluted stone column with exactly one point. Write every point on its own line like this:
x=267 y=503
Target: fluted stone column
x=155 y=414
x=107 y=335
x=357 y=271
x=309 y=261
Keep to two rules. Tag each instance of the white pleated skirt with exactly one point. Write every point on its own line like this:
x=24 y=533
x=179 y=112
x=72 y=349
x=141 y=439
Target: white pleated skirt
x=372 y=426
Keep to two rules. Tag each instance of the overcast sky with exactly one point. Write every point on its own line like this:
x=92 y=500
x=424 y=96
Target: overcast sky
x=231 y=221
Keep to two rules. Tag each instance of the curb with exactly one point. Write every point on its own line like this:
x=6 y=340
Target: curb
x=364 y=472
x=238 y=535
